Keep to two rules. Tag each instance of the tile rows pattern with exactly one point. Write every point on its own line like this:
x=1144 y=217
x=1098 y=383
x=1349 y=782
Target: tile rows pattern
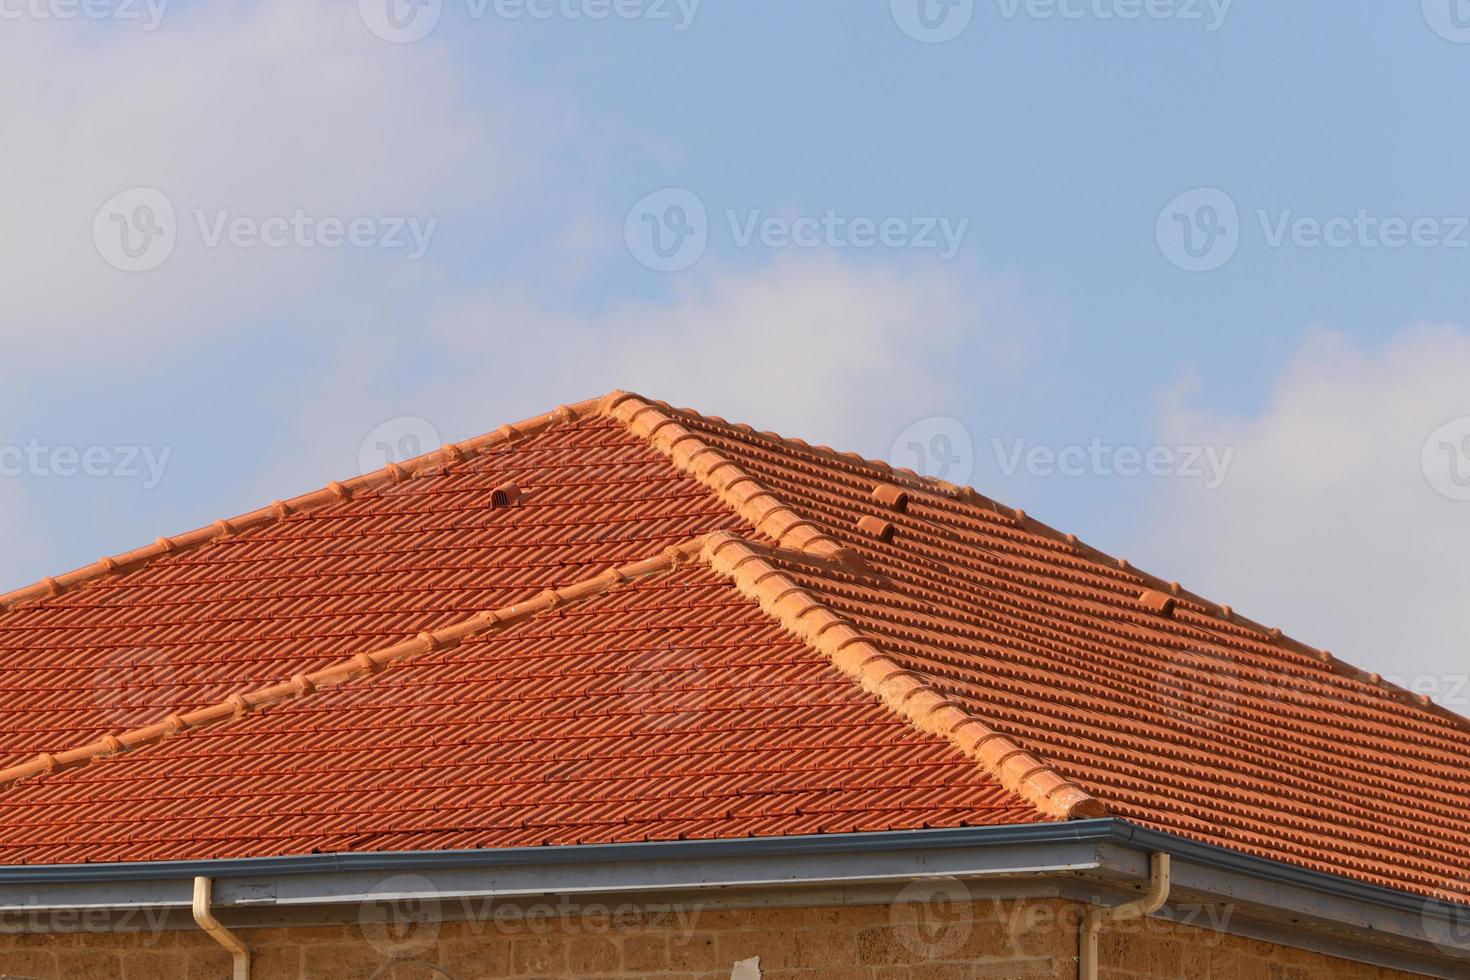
x=300 y=594
x=678 y=708
x=1189 y=724
x=674 y=709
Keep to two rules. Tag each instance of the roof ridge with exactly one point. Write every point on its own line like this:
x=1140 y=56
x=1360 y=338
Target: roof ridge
x=965 y=494
x=746 y=495
x=907 y=692
x=242 y=703
x=280 y=510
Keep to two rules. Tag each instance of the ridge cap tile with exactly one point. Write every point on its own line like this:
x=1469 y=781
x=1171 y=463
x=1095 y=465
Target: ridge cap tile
x=906 y=692
x=241 y=704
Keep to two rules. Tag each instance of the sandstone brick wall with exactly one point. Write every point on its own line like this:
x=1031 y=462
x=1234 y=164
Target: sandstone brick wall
x=975 y=939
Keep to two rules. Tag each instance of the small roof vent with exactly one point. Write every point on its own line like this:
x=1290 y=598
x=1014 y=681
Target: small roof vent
x=1159 y=603
x=876 y=527
x=891 y=497
x=505 y=495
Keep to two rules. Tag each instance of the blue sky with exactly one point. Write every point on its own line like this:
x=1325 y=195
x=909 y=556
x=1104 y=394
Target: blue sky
x=1060 y=323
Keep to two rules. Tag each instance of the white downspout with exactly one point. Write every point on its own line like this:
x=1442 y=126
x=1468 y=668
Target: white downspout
x=206 y=920
x=1159 y=883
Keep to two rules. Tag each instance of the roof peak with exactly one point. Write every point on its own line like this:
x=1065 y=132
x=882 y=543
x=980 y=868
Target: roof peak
x=654 y=421
x=280 y=510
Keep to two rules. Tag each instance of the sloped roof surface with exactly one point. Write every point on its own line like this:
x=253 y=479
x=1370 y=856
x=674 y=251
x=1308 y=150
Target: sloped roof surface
x=759 y=663
x=673 y=709
x=1197 y=722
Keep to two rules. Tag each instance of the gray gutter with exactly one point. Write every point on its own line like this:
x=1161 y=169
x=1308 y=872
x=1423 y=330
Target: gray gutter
x=1105 y=831
x=1089 y=860
x=1084 y=831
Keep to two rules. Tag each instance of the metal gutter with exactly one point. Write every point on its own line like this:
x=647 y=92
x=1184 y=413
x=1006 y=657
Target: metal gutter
x=1082 y=831
x=1276 y=872
x=1103 y=831
x=1089 y=860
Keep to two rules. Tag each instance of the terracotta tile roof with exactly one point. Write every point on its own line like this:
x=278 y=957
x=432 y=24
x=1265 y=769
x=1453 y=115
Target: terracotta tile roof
x=665 y=710
x=328 y=678
x=745 y=635
x=1171 y=711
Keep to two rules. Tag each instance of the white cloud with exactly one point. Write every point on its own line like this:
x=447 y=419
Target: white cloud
x=834 y=351
x=260 y=108
x=1327 y=525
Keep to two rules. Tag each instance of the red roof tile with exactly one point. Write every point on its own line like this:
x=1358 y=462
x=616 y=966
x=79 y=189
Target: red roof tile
x=1180 y=716
x=855 y=648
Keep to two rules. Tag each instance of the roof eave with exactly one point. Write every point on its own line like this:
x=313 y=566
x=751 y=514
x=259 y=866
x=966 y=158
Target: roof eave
x=1087 y=860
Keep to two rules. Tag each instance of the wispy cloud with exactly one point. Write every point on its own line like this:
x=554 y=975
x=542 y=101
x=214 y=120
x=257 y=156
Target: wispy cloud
x=283 y=116
x=1329 y=525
